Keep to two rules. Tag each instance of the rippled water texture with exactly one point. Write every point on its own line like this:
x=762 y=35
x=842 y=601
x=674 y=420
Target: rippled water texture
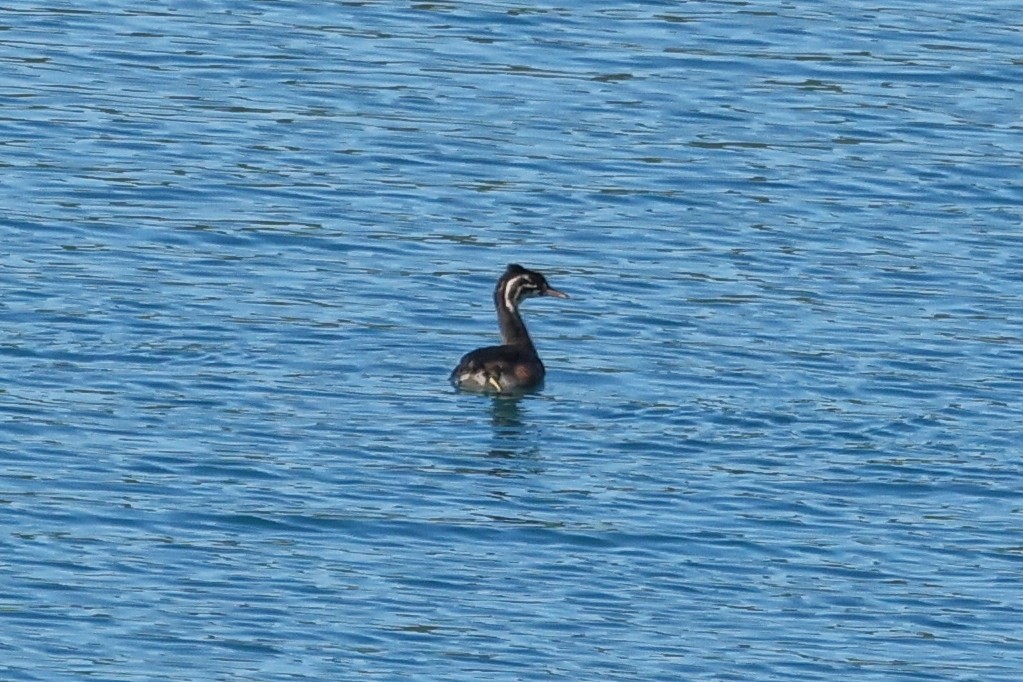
x=244 y=244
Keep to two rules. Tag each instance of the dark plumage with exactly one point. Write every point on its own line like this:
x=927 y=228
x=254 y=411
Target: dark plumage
x=515 y=365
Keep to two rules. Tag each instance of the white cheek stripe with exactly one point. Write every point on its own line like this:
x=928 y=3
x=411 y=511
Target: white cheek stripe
x=513 y=285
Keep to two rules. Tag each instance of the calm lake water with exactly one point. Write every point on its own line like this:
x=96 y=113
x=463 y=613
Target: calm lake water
x=245 y=242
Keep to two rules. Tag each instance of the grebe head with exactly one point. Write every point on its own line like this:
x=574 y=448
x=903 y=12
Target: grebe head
x=517 y=283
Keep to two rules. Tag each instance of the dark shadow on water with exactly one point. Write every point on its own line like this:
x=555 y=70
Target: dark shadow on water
x=506 y=412
x=513 y=435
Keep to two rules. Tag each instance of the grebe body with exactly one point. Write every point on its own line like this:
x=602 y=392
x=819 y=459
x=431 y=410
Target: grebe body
x=515 y=365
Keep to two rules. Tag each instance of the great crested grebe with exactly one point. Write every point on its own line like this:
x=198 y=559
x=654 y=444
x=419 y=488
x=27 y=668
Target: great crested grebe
x=515 y=365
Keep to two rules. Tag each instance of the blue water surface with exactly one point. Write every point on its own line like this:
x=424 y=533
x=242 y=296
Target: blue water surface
x=245 y=242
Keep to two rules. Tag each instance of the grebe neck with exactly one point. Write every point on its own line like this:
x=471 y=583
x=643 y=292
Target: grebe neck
x=513 y=329
x=506 y=300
